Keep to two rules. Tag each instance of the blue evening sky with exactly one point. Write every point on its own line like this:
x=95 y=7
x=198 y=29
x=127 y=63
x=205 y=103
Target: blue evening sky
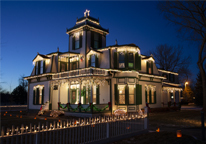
x=31 y=27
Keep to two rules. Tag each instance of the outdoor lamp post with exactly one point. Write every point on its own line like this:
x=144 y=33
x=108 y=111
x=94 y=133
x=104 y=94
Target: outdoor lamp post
x=186 y=83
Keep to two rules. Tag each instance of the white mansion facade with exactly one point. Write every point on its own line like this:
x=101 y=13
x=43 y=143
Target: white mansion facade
x=91 y=73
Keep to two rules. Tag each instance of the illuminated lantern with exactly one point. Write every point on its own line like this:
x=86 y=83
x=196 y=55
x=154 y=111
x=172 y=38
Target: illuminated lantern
x=45 y=118
x=59 y=120
x=17 y=115
x=20 y=116
x=158 y=130
x=35 y=117
x=179 y=133
x=6 y=112
x=20 y=111
x=10 y=114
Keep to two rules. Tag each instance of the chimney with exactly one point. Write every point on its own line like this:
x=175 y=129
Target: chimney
x=57 y=49
x=116 y=42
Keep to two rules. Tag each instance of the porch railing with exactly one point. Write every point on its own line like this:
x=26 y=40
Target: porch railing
x=81 y=72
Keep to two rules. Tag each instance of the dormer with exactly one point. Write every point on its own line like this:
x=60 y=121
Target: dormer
x=41 y=62
x=86 y=33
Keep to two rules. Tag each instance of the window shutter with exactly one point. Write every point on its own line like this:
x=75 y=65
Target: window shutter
x=42 y=102
x=136 y=61
x=137 y=94
x=39 y=66
x=126 y=95
x=89 y=62
x=89 y=95
x=139 y=87
x=96 y=61
x=139 y=62
x=73 y=42
x=115 y=60
x=126 y=60
x=150 y=95
x=37 y=96
x=44 y=69
x=145 y=96
x=116 y=94
x=97 y=95
x=151 y=64
x=35 y=68
x=92 y=39
x=155 y=97
x=34 y=97
x=84 y=95
x=100 y=41
x=80 y=40
x=147 y=67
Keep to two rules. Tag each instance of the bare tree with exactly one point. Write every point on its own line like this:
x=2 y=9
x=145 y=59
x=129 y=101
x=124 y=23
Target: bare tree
x=170 y=58
x=190 y=17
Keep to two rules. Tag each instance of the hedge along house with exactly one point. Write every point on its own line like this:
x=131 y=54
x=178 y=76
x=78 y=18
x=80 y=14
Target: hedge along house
x=92 y=77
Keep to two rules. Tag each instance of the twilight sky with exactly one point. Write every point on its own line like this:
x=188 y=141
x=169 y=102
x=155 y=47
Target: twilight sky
x=31 y=27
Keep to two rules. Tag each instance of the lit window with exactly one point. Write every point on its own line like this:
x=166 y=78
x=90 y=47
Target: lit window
x=94 y=94
x=152 y=91
x=121 y=60
x=121 y=94
x=148 y=96
x=131 y=94
x=38 y=95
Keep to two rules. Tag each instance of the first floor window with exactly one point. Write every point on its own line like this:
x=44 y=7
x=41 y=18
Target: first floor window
x=38 y=96
x=121 y=94
x=131 y=94
x=150 y=95
x=94 y=95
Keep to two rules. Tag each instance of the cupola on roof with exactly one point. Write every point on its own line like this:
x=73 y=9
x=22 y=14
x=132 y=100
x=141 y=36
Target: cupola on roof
x=89 y=21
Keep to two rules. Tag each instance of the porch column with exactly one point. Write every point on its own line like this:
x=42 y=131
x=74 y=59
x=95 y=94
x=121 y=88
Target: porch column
x=69 y=92
x=59 y=86
x=91 y=100
x=179 y=96
x=80 y=85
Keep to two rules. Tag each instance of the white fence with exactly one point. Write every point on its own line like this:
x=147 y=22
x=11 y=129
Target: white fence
x=13 y=107
x=89 y=130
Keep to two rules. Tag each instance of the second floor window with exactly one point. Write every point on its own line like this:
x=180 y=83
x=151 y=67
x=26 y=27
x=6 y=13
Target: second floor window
x=121 y=60
x=93 y=60
x=76 y=42
x=40 y=67
x=130 y=60
x=96 y=40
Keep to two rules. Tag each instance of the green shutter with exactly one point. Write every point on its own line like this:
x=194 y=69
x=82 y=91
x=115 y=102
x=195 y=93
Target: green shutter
x=96 y=61
x=35 y=68
x=155 y=97
x=145 y=96
x=136 y=61
x=126 y=95
x=138 y=94
x=89 y=62
x=147 y=67
x=126 y=60
x=115 y=60
x=89 y=95
x=34 y=97
x=97 y=95
x=151 y=64
x=116 y=94
x=150 y=96
x=80 y=40
x=39 y=66
x=100 y=41
x=139 y=63
x=37 y=96
x=44 y=69
x=42 y=96
x=73 y=42
x=92 y=39
x=84 y=95
x=68 y=64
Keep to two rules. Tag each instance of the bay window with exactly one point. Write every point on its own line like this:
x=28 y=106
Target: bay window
x=130 y=60
x=121 y=94
x=122 y=60
x=131 y=94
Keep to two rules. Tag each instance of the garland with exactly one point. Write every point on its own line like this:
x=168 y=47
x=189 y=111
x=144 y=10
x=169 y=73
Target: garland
x=84 y=109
